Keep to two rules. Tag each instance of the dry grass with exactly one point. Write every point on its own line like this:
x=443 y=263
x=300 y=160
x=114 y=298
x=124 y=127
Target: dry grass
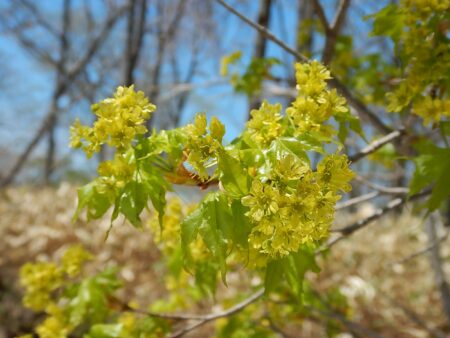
x=36 y=223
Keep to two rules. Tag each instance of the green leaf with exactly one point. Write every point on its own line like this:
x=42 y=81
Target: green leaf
x=189 y=231
x=291 y=268
x=274 y=273
x=133 y=201
x=289 y=145
x=90 y=300
x=214 y=228
x=233 y=176
x=310 y=142
x=389 y=22
x=241 y=226
x=96 y=204
x=445 y=127
x=206 y=277
x=105 y=331
x=156 y=187
x=213 y=221
x=85 y=194
x=348 y=121
x=432 y=168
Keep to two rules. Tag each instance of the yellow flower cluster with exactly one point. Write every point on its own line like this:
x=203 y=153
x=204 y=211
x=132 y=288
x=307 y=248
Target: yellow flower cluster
x=432 y=110
x=295 y=205
x=56 y=325
x=314 y=103
x=114 y=174
x=119 y=120
x=426 y=51
x=39 y=280
x=73 y=260
x=265 y=126
x=201 y=146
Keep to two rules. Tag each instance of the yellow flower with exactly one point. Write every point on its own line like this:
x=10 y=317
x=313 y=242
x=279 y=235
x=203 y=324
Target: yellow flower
x=334 y=171
x=119 y=120
x=73 y=260
x=39 y=280
x=201 y=147
x=431 y=110
x=265 y=126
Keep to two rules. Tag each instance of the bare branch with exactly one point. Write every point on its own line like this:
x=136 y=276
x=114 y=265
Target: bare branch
x=321 y=14
x=374 y=146
x=62 y=86
x=362 y=110
x=331 y=30
x=414 y=317
x=437 y=263
x=423 y=251
x=392 y=205
x=380 y=188
x=231 y=311
x=357 y=200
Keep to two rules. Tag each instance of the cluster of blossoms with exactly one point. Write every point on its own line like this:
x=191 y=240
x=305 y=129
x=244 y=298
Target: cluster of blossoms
x=289 y=203
x=201 y=145
x=119 y=120
x=425 y=50
x=432 y=109
x=41 y=280
x=114 y=174
x=294 y=205
x=314 y=104
x=265 y=125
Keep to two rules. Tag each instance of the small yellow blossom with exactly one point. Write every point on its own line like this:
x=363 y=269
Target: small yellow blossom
x=265 y=126
x=119 y=120
x=73 y=260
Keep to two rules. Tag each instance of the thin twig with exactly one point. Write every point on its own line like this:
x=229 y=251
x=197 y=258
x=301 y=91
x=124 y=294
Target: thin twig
x=69 y=77
x=357 y=200
x=392 y=205
x=414 y=317
x=437 y=262
x=374 y=146
x=213 y=316
x=352 y=326
x=421 y=252
x=358 y=105
x=380 y=188
x=331 y=30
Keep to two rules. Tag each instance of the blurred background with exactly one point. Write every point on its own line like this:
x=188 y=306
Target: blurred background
x=58 y=57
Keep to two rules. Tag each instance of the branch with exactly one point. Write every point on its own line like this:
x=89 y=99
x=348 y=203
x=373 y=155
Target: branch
x=362 y=110
x=374 y=146
x=380 y=188
x=321 y=14
x=331 y=30
x=210 y=317
x=357 y=200
x=353 y=327
x=423 y=251
x=437 y=263
x=67 y=79
x=200 y=319
x=392 y=205
x=415 y=318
